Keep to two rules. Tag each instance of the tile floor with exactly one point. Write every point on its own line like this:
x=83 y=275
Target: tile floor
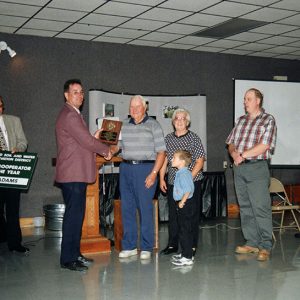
x=218 y=273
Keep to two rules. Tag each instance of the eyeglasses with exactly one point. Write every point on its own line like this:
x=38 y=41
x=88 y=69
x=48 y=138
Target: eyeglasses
x=76 y=93
x=180 y=118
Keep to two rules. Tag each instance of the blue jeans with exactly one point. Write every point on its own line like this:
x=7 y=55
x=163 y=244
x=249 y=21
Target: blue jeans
x=135 y=196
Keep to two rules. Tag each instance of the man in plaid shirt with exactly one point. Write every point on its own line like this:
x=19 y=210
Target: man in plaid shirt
x=250 y=144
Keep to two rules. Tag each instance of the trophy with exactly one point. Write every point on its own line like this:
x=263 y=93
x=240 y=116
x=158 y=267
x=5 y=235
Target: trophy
x=110 y=131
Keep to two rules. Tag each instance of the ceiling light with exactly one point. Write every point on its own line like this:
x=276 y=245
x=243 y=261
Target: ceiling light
x=3 y=46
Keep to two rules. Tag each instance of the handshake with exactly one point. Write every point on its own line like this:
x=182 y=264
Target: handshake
x=113 y=149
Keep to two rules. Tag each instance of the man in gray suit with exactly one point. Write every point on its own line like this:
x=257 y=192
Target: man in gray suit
x=75 y=168
x=12 y=138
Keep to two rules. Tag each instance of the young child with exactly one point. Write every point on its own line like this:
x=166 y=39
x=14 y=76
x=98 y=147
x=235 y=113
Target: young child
x=182 y=194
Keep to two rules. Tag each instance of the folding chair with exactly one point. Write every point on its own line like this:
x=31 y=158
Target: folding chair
x=284 y=204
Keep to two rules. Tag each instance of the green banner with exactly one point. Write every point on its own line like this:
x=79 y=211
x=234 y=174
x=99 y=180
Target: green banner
x=16 y=170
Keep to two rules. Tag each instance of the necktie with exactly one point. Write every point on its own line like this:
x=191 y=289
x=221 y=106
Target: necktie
x=3 y=145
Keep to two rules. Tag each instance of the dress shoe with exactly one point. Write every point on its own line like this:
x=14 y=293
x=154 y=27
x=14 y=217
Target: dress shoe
x=85 y=260
x=169 y=250
x=74 y=266
x=246 y=249
x=19 y=249
x=297 y=235
x=263 y=255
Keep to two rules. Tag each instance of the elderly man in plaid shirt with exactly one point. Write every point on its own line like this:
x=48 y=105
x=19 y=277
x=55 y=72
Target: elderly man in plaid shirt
x=250 y=144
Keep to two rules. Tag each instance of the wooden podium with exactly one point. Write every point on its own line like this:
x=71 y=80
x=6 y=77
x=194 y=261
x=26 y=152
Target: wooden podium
x=91 y=240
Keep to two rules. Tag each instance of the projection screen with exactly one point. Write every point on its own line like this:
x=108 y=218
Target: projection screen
x=281 y=99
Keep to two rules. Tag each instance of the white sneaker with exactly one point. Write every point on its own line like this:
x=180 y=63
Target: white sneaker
x=127 y=253
x=183 y=262
x=176 y=256
x=145 y=255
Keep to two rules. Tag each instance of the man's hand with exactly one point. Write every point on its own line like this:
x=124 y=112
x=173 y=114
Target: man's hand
x=97 y=133
x=163 y=185
x=150 y=180
x=108 y=156
x=14 y=150
x=114 y=149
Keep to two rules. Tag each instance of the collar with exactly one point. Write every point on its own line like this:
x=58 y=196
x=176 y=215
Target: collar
x=259 y=116
x=78 y=111
x=182 y=170
x=181 y=136
x=131 y=120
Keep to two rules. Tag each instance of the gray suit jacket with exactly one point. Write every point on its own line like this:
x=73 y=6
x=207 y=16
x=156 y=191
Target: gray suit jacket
x=15 y=133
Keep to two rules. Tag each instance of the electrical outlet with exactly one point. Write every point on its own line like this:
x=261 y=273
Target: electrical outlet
x=225 y=164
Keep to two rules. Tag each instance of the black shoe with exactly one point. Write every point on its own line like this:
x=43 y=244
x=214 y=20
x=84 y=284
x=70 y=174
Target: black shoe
x=169 y=250
x=19 y=249
x=84 y=260
x=74 y=266
x=297 y=235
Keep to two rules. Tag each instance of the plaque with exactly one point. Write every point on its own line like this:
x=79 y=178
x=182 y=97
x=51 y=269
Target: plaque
x=110 y=131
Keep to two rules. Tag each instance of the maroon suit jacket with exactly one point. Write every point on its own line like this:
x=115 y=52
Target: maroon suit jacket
x=76 y=148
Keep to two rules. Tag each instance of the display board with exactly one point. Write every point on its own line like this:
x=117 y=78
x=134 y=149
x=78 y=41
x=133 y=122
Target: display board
x=106 y=104
x=281 y=99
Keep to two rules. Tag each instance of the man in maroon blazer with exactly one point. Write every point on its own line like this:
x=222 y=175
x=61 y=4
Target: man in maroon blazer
x=75 y=168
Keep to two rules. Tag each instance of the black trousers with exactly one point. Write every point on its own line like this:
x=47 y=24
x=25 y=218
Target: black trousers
x=196 y=203
x=74 y=194
x=185 y=222
x=9 y=217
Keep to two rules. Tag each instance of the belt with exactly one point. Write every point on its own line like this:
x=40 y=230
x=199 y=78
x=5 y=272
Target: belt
x=252 y=161
x=138 y=162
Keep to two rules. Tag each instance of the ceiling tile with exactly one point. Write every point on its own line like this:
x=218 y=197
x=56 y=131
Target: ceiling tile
x=258 y=2
x=230 y=9
x=278 y=40
x=281 y=50
x=161 y=37
x=207 y=49
x=164 y=14
x=287 y=56
x=12 y=21
x=121 y=9
x=248 y=36
x=30 y=2
x=105 y=20
x=59 y=15
x=143 y=2
x=262 y=54
x=288 y=4
x=225 y=44
x=177 y=46
x=204 y=20
x=274 y=28
x=237 y=52
x=194 y=40
x=19 y=10
x=7 y=29
x=73 y=36
x=37 y=32
x=144 y=24
x=181 y=28
x=108 y=39
x=145 y=43
x=254 y=47
x=294 y=20
x=80 y=5
x=295 y=33
x=295 y=44
x=269 y=14
x=191 y=5
x=46 y=25
x=87 y=29
x=126 y=33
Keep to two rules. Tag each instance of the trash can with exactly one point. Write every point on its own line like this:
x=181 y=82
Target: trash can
x=54 y=214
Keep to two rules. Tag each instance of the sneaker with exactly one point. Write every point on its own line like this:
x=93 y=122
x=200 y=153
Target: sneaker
x=127 y=253
x=176 y=256
x=183 y=262
x=145 y=255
